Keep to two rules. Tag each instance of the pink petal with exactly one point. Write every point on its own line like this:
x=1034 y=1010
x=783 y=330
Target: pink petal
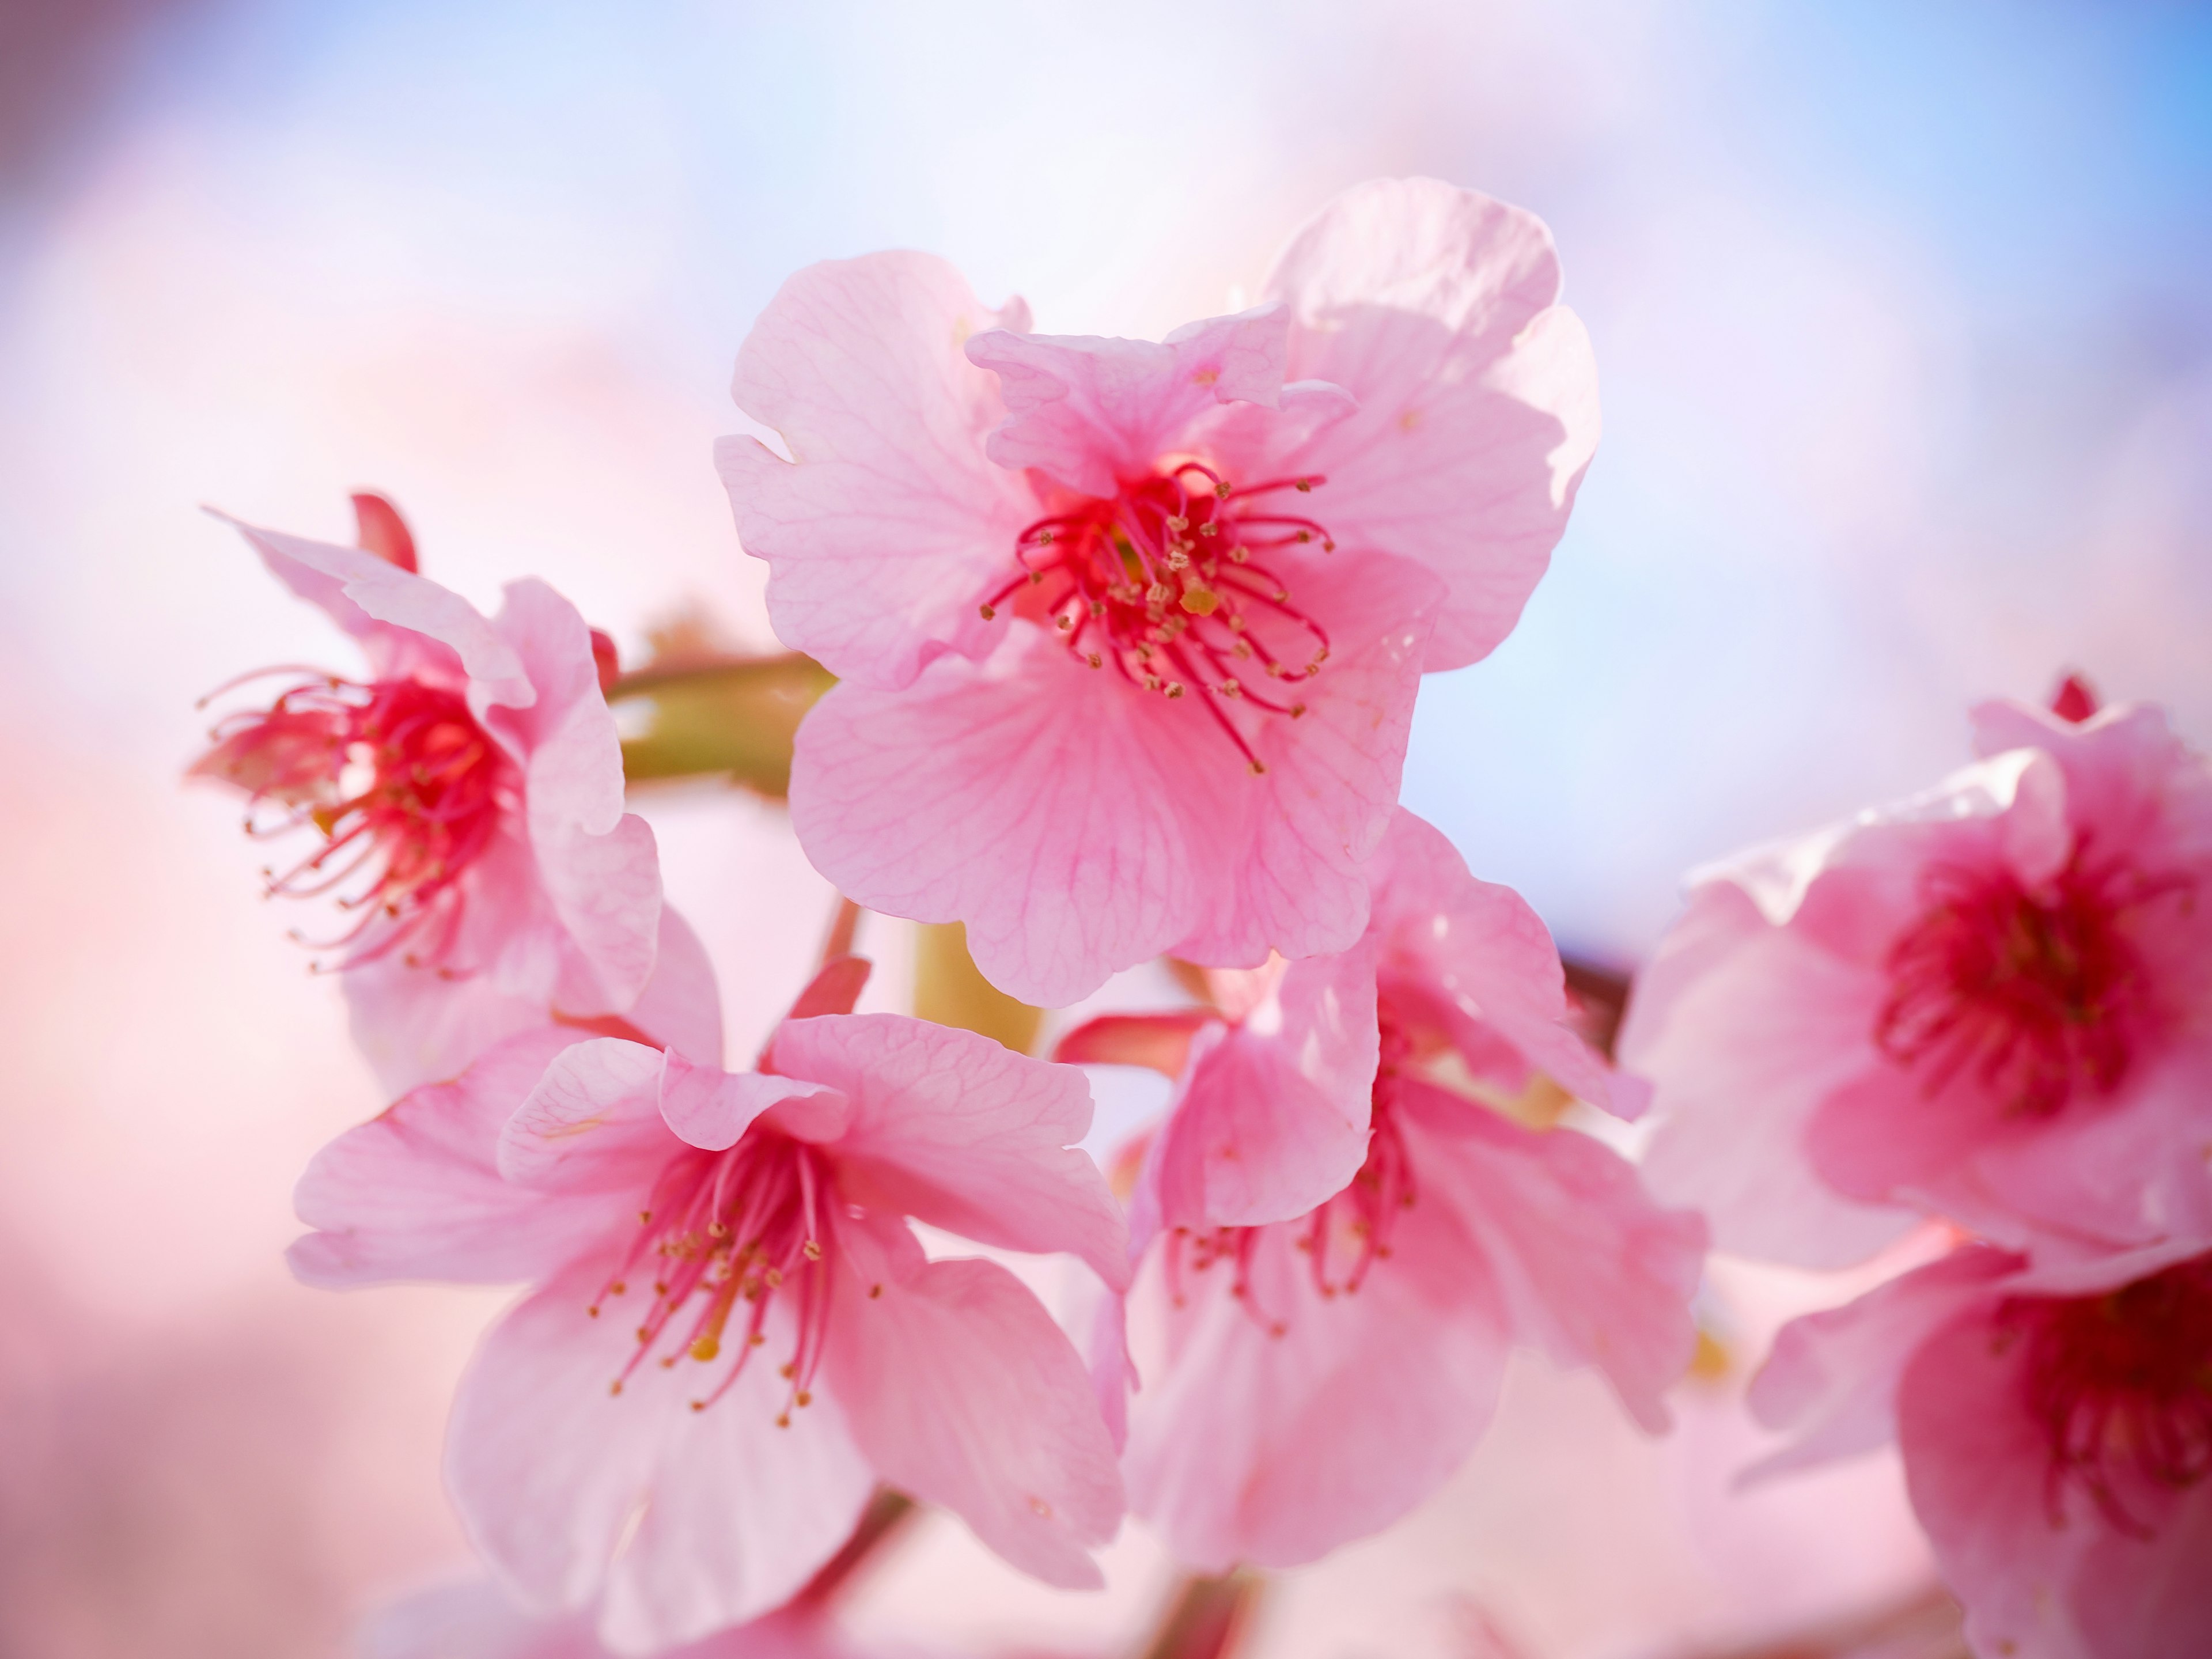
x=1478 y=396
x=957 y=1131
x=710 y=1108
x=1275 y=1449
x=1288 y=860
x=417 y=1194
x=598 y=864
x=881 y=531
x=1024 y=796
x=1160 y=1042
x=547 y=1470
x=963 y=1392
x=1587 y=1268
x=1832 y=1378
x=359 y=590
x=1078 y=826
x=681 y=1007
x=1744 y=1056
x=1272 y=1117
x=1091 y=411
x=1478 y=950
x=593 y=1124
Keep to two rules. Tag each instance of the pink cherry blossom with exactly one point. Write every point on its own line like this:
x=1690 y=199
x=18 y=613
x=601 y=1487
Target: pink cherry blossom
x=1328 y=1296
x=2057 y=1431
x=463 y=802
x=1992 y=1001
x=733 y=1333
x=1129 y=631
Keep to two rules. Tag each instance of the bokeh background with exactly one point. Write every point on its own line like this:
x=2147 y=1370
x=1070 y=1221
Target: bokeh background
x=1904 y=329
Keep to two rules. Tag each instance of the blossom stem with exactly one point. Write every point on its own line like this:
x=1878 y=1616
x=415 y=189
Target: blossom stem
x=1207 y=1618
x=844 y=920
x=732 y=717
x=886 y=1515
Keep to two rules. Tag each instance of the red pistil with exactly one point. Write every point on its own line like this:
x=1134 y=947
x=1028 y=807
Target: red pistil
x=2121 y=1385
x=2039 y=994
x=403 y=785
x=1168 y=581
x=727 y=1233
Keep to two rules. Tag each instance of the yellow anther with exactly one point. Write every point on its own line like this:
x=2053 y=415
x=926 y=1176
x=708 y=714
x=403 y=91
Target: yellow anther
x=1067 y=622
x=1257 y=769
x=1305 y=486
x=988 y=611
x=1174 y=687
x=1296 y=709
x=705 y=1348
x=1201 y=601
x=810 y=1250
x=1239 y=554
x=615 y=1386
x=1231 y=689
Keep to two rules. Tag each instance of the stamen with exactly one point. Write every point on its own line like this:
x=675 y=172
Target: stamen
x=738 y=1229
x=1134 y=581
x=397 y=770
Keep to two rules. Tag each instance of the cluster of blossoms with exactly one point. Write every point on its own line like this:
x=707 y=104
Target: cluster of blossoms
x=1126 y=638
x=1984 y=1013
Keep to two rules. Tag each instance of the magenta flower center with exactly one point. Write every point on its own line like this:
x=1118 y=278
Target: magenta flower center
x=2121 y=1386
x=1174 y=581
x=2040 y=994
x=1343 y=1238
x=726 y=1235
x=403 y=785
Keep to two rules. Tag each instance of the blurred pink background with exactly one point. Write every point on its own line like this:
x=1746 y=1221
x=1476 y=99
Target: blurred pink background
x=1906 y=346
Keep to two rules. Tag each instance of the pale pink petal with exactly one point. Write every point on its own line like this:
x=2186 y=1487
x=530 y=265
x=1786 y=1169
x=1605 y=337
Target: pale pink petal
x=418 y=1022
x=1586 y=1266
x=1024 y=795
x=417 y=1194
x=1477 y=950
x=1286 y=863
x=598 y=864
x=1832 y=1378
x=962 y=1392
x=681 y=1007
x=1272 y=1117
x=961 y=1133
x=549 y=1470
x=1477 y=395
x=593 y=1124
x=709 y=1107
x=881 y=531
x=1249 y=1446
x=1976 y=1468
x=359 y=589
x=1160 y=1042
x=1745 y=1055
x=1091 y=411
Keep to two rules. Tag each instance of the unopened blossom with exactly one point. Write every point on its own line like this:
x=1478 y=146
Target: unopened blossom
x=732 y=1334
x=1128 y=632
x=1312 y=1370
x=458 y=805
x=2057 y=1429
x=1992 y=1001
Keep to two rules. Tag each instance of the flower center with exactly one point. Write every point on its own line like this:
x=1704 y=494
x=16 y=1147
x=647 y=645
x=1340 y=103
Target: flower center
x=1170 y=581
x=2121 y=1385
x=726 y=1234
x=1342 y=1238
x=405 y=787
x=2040 y=994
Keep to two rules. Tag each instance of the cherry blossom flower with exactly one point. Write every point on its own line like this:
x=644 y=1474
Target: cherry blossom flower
x=1129 y=631
x=463 y=804
x=2057 y=1430
x=733 y=1333
x=1317 y=1362
x=1992 y=1001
